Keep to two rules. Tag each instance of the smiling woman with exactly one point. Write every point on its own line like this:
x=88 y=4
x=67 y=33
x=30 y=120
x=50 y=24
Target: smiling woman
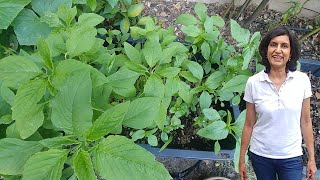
x=279 y=51
x=278 y=112
x=280 y=42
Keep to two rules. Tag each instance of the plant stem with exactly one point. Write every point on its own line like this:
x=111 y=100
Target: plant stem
x=243 y=7
x=228 y=9
x=309 y=34
x=256 y=13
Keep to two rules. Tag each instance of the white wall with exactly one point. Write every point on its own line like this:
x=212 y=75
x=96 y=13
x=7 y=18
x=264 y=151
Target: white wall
x=279 y=5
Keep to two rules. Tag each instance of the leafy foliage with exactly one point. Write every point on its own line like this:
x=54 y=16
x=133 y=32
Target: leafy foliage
x=82 y=71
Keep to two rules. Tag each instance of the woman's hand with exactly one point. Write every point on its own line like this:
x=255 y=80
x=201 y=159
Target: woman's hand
x=243 y=171
x=311 y=169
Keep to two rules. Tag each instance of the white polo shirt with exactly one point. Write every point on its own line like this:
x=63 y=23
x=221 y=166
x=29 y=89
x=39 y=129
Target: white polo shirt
x=277 y=132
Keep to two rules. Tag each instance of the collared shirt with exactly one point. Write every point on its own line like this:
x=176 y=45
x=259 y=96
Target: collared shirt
x=277 y=133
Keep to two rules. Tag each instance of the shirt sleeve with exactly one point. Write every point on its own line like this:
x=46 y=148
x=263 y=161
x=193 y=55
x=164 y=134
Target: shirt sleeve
x=248 y=92
x=307 y=89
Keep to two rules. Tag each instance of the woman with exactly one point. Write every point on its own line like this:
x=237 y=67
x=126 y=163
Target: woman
x=278 y=113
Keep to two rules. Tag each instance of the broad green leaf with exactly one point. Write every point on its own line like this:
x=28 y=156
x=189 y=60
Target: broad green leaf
x=67 y=14
x=192 y=31
x=189 y=76
x=207 y=67
x=237 y=126
x=201 y=10
x=208 y=25
x=113 y=3
x=154 y=87
x=168 y=54
x=236 y=100
x=205 y=100
x=216 y=130
x=41 y=7
x=147 y=21
x=136 y=67
x=248 y=54
x=15 y=70
x=164 y=136
x=195 y=68
x=236 y=84
x=101 y=96
x=59 y=142
x=90 y=19
x=233 y=61
x=56 y=44
x=45 y=165
x=136 y=32
x=12 y=132
x=52 y=20
x=29 y=28
x=225 y=95
x=9 y=10
x=68 y=174
x=211 y=37
x=123 y=81
x=152 y=140
x=184 y=92
x=135 y=9
x=198 y=89
x=238 y=33
x=211 y=114
x=205 y=50
x=171 y=86
x=217 y=147
x=45 y=53
x=128 y=2
x=92 y=4
x=83 y=166
x=132 y=53
x=169 y=72
x=255 y=40
x=162 y=116
x=108 y=121
x=124 y=25
x=14 y=153
x=117 y=157
x=186 y=19
x=26 y=110
x=6 y=119
x=218 y=21
x=178 y=48
x=138 y=135
x=6 y=94
x=152 y=52
x=142 y=112
x=81 y=40
x=71 y=107
x=71 y=67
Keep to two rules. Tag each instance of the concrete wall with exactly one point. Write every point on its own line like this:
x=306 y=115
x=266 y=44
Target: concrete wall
x=279 y=5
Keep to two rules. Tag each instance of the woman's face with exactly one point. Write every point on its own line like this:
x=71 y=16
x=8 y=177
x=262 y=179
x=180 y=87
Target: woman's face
x=279 y=51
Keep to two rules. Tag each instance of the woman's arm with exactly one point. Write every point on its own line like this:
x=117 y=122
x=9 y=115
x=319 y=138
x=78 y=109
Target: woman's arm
x=307 y=132
x=245 y=138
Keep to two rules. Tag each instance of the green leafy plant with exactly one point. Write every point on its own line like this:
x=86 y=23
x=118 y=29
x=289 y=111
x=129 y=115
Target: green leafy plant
x=226 y=69
x=70 y=94
x=56 y=111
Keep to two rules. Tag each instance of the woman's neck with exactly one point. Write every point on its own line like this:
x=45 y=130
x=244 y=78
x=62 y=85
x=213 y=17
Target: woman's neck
x=278 y=77
x=277 y=73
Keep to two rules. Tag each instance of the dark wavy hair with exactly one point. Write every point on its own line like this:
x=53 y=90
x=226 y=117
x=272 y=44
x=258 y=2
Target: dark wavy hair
x=294 y=46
